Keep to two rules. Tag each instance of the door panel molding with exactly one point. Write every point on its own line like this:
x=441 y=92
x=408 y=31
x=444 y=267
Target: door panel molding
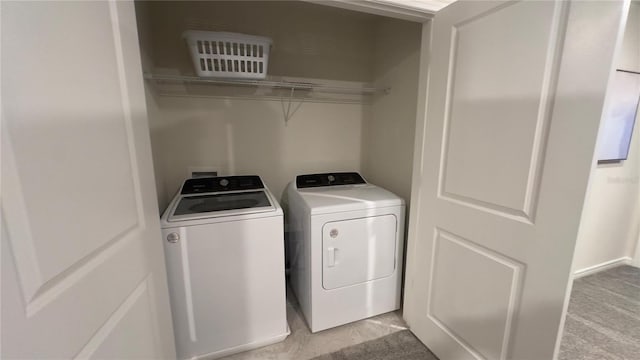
x=513 y=277
x=39 y=290
x=82 y=262
x=549 y=69
x=141 y=293
x=127 y=109
x=73 y=276
x=15 y=213
x=54 y=124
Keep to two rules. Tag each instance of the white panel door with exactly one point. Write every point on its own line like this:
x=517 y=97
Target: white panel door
x=504 y=151
x=82 y=264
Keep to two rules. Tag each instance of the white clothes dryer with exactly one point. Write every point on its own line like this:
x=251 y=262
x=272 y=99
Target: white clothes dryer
x=224 y=248
x=346 y=248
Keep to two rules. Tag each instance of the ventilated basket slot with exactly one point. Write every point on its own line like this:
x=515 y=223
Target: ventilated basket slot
x=229 y=55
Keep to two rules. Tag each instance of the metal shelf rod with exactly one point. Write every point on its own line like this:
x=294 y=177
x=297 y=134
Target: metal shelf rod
x=267 y=83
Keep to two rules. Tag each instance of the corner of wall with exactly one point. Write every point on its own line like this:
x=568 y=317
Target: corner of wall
x=390 y=131
x=611 y=215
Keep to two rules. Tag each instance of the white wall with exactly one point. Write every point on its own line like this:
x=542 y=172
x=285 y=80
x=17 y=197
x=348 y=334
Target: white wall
x=241 y=136
x=610 y=221
x=389 y=135
x=309 y=40
x=249 y=137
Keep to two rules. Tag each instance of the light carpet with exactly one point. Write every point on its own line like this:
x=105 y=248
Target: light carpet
x=401 y=345
x=603 y=321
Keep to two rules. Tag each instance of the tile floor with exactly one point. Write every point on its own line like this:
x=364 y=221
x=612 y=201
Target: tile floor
x=301 y=344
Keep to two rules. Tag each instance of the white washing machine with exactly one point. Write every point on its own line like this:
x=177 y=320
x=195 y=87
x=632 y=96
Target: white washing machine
x=224 y=247
x=346 y=247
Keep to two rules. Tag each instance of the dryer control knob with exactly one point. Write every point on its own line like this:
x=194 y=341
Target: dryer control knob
x=224 y=182
x=333 y=233
x=173 y=238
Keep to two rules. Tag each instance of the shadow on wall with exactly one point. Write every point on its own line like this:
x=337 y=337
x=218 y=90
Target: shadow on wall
x=238 y=137
x=304 y=45
x=388 y=137
x=195 y=132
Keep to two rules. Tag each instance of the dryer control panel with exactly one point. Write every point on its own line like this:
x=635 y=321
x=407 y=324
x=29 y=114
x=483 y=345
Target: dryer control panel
x=329 y=179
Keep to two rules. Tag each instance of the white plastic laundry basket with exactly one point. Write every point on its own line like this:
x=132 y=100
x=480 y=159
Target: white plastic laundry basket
x=228 y=55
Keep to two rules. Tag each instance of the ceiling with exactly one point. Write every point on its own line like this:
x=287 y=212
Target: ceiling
x=429 y=6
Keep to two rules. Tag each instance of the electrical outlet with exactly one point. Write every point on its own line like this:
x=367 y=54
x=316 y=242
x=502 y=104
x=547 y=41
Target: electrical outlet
x=201 y=171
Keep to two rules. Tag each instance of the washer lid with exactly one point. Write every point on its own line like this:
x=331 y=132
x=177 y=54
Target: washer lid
x=189 y=207
x=322 y=200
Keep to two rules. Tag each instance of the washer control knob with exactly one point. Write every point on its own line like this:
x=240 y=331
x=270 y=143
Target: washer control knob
x=173 y=238
x=331 y=178
x=224 y=182
x=333 y=233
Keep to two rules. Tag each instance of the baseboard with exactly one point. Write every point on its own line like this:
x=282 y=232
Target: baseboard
x=625 y=260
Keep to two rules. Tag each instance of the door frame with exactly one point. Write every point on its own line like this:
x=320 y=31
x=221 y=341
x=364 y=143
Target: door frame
x=636 y=258
x=389 y=8
x=418 y=159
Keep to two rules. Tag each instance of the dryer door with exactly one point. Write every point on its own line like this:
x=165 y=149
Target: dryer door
x=358 y=250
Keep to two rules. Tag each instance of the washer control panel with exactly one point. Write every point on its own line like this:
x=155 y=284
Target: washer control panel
x=221 y=183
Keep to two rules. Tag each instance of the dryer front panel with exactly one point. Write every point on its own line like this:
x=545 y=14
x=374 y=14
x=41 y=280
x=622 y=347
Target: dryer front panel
x=358 y=250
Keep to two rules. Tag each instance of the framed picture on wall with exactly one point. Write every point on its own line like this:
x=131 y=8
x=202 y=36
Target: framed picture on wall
x=615 y=133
